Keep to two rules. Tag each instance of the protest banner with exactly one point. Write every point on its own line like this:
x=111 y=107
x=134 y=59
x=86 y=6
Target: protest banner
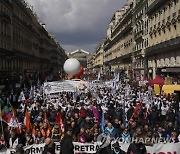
x=169 y=148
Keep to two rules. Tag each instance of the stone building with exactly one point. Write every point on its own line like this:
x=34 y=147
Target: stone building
x=99 y=58
x=143 y=39
x=140 y=32
x=91 y=63
x=80 y=55
x=118 y=46
x=163 y=52
x=25 y=44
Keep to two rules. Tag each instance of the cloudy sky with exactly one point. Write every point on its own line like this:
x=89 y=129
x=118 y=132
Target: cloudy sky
x=77 y=24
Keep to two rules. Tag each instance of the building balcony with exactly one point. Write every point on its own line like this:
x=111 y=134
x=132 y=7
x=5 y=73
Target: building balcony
x=6 y=52
x=23 y=6
x=138 y=3
x=8 y=2
x=5 y=17
x=138 y=35
x=118 y=59
x=169 y=45
x=155 y=5
x=125 y=22
x=28 y=26
x=126 y=30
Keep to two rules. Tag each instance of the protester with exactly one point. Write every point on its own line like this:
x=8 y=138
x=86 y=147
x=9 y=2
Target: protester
x=66 y=143
x=19 y=149
x=122 y=109
x=111 y=131
x=111 y=149
x=126 y=136
x=14 y=140
x=49 y=147
x=137 y=148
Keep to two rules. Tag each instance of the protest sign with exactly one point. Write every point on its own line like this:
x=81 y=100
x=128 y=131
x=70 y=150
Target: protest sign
x=169 y=148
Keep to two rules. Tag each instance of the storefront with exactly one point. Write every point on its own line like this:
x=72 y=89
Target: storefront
x=173 y=72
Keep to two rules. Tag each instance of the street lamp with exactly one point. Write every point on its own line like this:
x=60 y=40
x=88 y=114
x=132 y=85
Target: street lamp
x=150 y=71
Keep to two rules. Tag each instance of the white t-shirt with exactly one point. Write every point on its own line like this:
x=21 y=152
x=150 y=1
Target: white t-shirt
x=164 y=110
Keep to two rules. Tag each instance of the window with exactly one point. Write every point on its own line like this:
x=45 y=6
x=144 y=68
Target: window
x=163 y=21
x=174 y=15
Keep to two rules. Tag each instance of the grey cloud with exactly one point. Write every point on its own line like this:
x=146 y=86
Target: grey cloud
x=78 y=37
x=77 y=22
x=87 y=47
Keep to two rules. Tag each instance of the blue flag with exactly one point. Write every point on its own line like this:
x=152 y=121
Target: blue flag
x=102 y=122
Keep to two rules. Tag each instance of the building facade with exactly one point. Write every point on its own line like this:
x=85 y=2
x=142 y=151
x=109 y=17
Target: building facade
x=99 y=58
x=25 y=44
x=143 y=38
x=118 y=46
x=80 y=55
x=163 y=52
x=91 y=63
x=140 y=32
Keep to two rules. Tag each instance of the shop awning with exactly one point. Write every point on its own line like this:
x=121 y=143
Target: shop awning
x=170 y=70
x=158 y=80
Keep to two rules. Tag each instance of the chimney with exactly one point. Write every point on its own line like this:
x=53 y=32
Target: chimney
x=44 y=25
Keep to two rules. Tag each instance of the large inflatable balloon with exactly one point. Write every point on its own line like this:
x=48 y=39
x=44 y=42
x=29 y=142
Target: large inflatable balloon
x=71 y=66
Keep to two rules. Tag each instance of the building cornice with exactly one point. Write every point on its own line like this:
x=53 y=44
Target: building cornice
x=155 y=5
x=114 y=40
x=164 y=46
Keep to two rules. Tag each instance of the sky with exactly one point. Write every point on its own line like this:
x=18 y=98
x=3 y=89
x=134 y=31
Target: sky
x=77 y=24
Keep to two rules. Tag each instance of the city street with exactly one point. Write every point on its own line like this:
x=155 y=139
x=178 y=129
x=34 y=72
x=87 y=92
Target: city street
x=81 y=77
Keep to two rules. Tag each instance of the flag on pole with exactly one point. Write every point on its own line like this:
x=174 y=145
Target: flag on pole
x=102 y=124
x=115 y=74
x=13 y=122
x=27 y=121
x=99 y=75
x=124 y=114
x=95 y=113
x=59 y=121
x=45 y=118
x=31 y=94
x=75 y=94
x=114 y=87
x=21 y=97
x=117 y=77
x=136 y=110
x=8 y=114
x=1 y=102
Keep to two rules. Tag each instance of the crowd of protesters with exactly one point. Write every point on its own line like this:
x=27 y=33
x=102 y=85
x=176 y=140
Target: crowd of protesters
x=123 y=110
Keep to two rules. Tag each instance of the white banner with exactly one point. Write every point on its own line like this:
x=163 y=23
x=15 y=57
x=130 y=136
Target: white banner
x=61 y=86
x=169 y=148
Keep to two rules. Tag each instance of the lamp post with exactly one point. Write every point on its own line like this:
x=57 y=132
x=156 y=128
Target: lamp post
x=150 y=73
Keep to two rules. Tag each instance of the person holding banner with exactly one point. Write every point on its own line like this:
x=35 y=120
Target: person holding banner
x=19 y=149
x=67 y=146
x=174 y=138
x=49 y=147
x=14 y=140
x=137 y=148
